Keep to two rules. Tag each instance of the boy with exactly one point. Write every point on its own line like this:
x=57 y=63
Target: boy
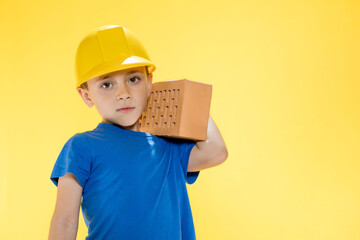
x=130 y=184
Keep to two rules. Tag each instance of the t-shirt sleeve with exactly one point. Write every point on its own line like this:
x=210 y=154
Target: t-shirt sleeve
x=184 y=148
x=74 y=158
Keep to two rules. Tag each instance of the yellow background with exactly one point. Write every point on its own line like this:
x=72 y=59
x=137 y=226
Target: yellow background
x=285 y=78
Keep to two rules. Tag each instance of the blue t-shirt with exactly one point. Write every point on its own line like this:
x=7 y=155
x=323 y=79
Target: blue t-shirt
x=133 y=183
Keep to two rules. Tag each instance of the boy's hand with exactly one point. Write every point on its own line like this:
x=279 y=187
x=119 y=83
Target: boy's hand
x=210 y=152
x=64 y=223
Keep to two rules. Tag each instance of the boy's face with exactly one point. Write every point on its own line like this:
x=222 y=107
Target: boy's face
x=120 y=97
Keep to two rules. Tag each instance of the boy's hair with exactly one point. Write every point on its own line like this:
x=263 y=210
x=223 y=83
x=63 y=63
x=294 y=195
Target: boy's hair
x=85 y=86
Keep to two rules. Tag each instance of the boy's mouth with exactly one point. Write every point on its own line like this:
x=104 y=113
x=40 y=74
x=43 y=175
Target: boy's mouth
x=125 y=109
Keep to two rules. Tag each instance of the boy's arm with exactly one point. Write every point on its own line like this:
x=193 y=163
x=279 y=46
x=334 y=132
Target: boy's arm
x=210 y=152
x=64 y=223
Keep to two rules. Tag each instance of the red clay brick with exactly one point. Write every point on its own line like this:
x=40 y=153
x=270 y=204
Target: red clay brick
x=179 y=109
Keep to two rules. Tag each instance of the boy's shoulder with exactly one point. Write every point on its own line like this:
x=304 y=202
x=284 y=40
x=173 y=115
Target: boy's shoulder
x=76 y=140
x=112 y=135
x=177 y=140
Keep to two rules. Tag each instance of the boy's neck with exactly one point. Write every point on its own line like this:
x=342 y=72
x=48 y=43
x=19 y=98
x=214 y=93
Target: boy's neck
x=134 y=127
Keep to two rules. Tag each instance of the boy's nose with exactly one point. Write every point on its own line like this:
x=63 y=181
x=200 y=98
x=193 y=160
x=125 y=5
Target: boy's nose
x=123 y=94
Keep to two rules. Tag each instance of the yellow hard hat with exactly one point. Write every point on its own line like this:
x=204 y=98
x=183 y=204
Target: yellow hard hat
x=107 y=49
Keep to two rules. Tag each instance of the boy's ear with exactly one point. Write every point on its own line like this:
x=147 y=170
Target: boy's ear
x=150 y=77
x=84 y=93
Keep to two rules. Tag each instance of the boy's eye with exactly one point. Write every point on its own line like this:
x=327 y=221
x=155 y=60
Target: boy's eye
x=106 y=85
x=134 y=79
